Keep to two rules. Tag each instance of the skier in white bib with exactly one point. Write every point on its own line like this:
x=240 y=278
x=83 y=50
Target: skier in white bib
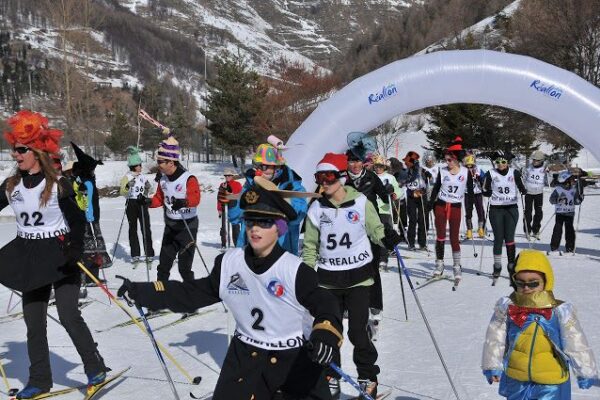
x=535 y=181
x=566 y=197
x=340 y=227
x=287 y=327
x=45 y=253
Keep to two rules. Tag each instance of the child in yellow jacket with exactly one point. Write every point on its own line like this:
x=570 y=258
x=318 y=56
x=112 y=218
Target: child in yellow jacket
x=533 y=338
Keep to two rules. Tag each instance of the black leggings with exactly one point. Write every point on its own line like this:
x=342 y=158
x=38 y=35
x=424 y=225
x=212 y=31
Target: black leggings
x=504 y=222
x=35 y=310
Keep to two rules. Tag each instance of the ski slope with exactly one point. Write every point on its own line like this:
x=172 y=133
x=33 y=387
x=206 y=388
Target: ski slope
x=408 y=361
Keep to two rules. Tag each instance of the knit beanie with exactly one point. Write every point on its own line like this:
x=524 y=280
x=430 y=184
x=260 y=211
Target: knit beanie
x=133 y=156
x=168 y=149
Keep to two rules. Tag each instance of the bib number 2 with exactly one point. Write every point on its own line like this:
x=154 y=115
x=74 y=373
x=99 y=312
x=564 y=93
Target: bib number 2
x=259 y=315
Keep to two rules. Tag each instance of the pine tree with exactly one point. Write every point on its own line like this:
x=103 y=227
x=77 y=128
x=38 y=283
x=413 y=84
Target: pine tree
x=121 y=133
x=233 y=105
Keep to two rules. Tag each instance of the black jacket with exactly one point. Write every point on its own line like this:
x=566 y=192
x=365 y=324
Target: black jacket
x=369 y=184
x=249 y=370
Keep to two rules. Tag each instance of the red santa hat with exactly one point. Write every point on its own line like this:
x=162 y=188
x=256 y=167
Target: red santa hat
x=333 y=162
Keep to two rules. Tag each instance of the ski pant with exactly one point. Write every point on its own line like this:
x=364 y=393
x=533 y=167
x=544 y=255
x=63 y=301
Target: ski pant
x=478 y=203
x=415 y=208
x=382 y=252
x=354 y=300
x=447 y=213
x=567 y=221
x=534 y=202
x=35 y=310
x=137 y=212
x=504 y=222
x=376 y=291
x=177 y=242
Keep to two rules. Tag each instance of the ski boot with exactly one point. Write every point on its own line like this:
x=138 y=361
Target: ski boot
x=553 y=252
x=96 y=378
x=536 y=236
x=83 y=292
x=469 y=234
x=383 y=266
x=334 y=387
x=30 y=392
x=373 y=323
x=481 y=231
x=368 y=386
x=496 y=273
x=457 y=270
x=439 y=268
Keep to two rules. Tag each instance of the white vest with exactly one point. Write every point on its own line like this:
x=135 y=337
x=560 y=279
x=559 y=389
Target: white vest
x=453 y=186
x=139 y=185
x=534 y=179
x=33 y=220
x=266 y=310
x=344 y=243
x=504 y=188
x=566 y=200
x=176 y=190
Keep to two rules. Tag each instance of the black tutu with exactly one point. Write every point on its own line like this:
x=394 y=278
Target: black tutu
x=27 y=264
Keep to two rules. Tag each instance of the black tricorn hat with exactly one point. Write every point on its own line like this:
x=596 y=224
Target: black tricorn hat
x=259 y=203
x=84 y=161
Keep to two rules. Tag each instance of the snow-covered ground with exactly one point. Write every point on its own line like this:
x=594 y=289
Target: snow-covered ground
x=408 y=361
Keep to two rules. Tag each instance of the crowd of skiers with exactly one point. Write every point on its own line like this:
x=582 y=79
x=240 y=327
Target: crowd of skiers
x=288 y=298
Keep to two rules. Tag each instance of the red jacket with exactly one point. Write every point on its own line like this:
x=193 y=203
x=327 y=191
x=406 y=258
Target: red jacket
x=234 y=187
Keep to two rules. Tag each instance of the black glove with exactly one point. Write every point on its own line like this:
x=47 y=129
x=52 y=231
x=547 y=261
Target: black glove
x=177 y=204
x=322 y=347
x=143 y=200
x=126 y=291
x=250 y=173
x=389 y=189
x=391 y=239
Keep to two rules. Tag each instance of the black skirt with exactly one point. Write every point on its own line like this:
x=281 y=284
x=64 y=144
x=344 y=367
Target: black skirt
x=28 y=264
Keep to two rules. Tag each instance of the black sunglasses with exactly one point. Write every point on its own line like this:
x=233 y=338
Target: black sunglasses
x=531 y=285
x=261 y=223
x=21 y=150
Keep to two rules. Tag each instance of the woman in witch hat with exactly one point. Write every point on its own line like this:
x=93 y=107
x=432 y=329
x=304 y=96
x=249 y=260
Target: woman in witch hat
x=94 y=253
x=45 y=253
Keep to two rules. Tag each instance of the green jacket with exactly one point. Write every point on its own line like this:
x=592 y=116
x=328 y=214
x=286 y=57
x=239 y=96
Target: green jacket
x=386 y=208
x=374 y=229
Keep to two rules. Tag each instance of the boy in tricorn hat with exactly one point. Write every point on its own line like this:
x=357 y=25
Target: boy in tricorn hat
x=275 y=351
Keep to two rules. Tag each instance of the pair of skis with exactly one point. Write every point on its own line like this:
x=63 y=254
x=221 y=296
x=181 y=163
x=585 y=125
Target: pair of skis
x=437 y=278
x=91 y=391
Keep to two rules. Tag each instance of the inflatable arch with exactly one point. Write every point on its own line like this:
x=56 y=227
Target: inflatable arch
x=554 y=95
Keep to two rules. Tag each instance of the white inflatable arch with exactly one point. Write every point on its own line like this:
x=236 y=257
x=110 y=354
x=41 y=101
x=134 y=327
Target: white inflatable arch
x=521 y=83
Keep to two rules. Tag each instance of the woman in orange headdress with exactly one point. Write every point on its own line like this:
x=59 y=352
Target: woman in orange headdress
x=45 y=253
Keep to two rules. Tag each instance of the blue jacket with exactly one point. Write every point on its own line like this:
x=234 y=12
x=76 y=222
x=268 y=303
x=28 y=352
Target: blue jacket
x=287 y=179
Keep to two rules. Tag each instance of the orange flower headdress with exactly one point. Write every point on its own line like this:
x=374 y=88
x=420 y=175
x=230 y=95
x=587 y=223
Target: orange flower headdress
x=31 y=129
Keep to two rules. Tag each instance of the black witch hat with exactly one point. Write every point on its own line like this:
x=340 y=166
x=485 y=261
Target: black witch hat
x=84 y=161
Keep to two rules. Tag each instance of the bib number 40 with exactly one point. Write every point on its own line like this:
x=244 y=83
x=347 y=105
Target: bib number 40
x=332 y=242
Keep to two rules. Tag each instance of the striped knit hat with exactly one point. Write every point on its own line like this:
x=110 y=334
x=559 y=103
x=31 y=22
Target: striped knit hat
x=168 y=149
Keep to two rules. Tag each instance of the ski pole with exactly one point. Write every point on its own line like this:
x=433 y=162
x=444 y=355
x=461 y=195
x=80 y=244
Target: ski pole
x=402 y=290
x=120 y=229
x=101 y=267
x=437 y=349
x=156 y=349
x=10 y=391
x=199 y=254
x=351 y=381
x=487 y=213
x=547 y=222
x=578 y=217
x=525 y=223
x=145 y=244
x=194 y=381
x=426 y=222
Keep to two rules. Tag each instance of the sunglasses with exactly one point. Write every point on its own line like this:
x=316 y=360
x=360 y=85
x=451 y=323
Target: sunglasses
x=531 y=285
x=327 y=177
x=20 y=150
x=500 y=161
x=261 y=223
x=264 y=167
x=470 y=166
